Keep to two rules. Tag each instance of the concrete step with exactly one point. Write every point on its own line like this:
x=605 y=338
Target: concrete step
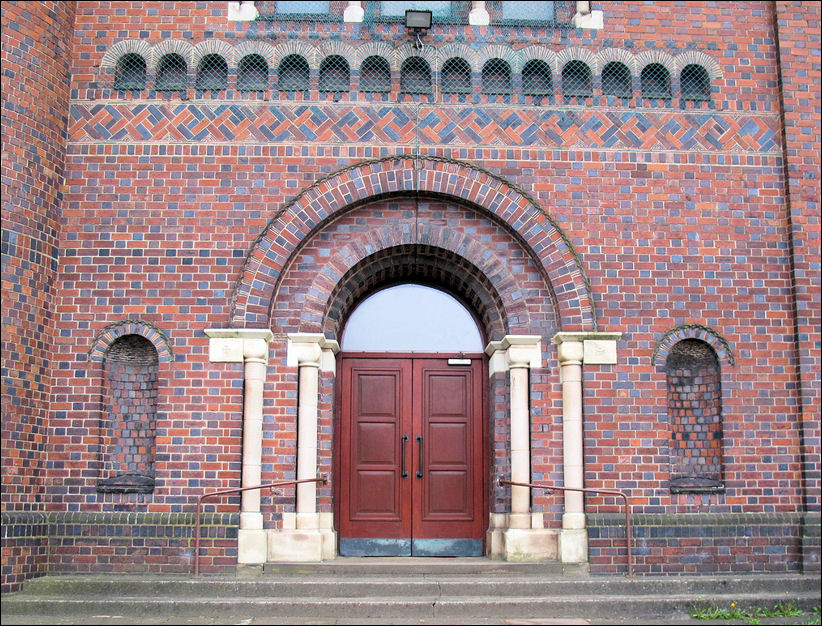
x=394 y=591
x=431 y=606
x=409 y=585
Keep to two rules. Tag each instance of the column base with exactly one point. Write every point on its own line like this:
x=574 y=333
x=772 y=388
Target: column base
x=305 y=537
x=573 y=545
x=251 y=546
x=508 y=543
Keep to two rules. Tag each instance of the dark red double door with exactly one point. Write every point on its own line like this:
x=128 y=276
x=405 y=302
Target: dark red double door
x=411 y=461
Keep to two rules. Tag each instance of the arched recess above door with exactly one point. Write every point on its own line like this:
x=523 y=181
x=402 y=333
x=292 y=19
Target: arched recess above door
x=481 y=291
x=411 y=318
x=404 y=175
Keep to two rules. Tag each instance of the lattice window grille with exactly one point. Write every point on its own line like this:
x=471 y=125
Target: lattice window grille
x=576 y=79
x=212 y=72
x=334 y=74
x=172 y=73
x=415 y=76
x=130 y=72
x=536 y=79
x=527 y=11
x=455 y=76
x=656 y=81
x=252 y=73
x=616 y=80
x=496 y=77
x=293 y=74
x=695 y=83
x=375 y=75
x=442 y=11
x=302 y=8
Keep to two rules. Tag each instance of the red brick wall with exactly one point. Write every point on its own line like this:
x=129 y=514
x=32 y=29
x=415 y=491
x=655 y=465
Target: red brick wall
x=798 y=37
x=678 y=213
x=798 y=31
x=36 y=57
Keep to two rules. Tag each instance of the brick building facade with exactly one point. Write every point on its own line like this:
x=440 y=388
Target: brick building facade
x=197 y=195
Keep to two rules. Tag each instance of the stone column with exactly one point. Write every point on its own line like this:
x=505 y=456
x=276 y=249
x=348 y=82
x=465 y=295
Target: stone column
x=250 y=346
x=574 y=348
x=478 y=16
x=306 y=535
x=353 y=12
x=519 y=535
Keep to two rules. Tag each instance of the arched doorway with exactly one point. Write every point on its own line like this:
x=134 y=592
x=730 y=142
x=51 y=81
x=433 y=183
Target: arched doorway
x=382 y=223
x=412 y=475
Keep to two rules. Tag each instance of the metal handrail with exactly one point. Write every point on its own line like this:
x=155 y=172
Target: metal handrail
x=612 y=492
x=224 y=492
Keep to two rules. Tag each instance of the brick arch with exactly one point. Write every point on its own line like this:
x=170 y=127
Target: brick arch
x=435 y=267
x=112 y=332
x=693 y=331
x=450 y=261
x=404 y=175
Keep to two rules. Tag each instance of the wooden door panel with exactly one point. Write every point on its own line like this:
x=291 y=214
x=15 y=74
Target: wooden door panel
x=447 y=497
x=439 y=409
x=448 y=444
x=375 y=499
x=376 y=444
x=374 y=496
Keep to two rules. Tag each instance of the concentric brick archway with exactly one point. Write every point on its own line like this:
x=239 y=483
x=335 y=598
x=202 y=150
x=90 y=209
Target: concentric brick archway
x=403 y=175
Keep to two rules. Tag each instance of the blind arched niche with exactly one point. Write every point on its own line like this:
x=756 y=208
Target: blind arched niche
x=695 y=412
x=129 y=416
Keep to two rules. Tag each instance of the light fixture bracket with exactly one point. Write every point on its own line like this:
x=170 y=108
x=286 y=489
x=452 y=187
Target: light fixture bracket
x=417 y=22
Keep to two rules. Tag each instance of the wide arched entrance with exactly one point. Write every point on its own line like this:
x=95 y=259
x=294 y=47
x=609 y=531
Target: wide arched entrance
x=411 y=471
x=385 y=222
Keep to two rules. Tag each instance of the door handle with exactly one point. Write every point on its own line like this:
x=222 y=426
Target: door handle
x=402 y=456
x=419 y=470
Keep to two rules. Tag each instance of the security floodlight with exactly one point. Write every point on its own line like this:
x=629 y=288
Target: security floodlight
x=417 y=21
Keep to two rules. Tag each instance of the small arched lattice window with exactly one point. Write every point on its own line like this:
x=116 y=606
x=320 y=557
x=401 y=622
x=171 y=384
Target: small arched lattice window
x=616 y=80
x=252 y=73
x=130 y=72
x=656 y=81
x=129 y=419
x=695 y=414
x=415 y=76
x=172 y=72
x=695 y=83
x=334 y=74
x=455 y=76
x=212 y=72
x=576 y=79
x=496 y=77
x=293 y=74
x=375 y=75
x=536 y=78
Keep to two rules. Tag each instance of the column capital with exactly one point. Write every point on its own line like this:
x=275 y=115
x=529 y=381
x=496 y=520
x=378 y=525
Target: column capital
x=234 y=345
x=353 y=12
x=242 y=12
x=306 y=349
x=478 y=16
x=594 y=348
x=515 y=351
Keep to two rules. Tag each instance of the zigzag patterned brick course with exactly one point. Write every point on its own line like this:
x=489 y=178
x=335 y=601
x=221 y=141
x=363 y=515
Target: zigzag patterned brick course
x=444 y=126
